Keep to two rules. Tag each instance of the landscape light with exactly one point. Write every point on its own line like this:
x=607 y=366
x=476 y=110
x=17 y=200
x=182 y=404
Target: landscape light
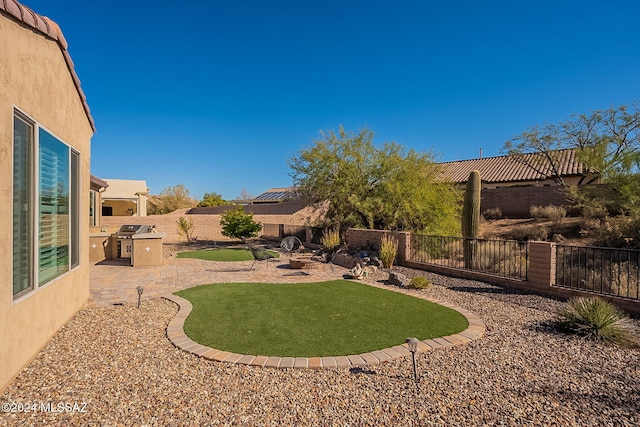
x=140 y=289
x=413 y=347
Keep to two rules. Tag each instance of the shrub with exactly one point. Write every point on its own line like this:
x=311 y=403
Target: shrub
x=185 y=228
x=597 y=320
x=531 y=232
x=493 y=213
x=599 y=274
x=388 y=250
x=331 y=239
x=619 y=232
x=505 y=258
x=420 y=282
x=594 y=212
x=236 y=224
x=551 y=212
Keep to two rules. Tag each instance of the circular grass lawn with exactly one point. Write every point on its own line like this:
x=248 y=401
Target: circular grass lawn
x=225 y=255
x=335 y=318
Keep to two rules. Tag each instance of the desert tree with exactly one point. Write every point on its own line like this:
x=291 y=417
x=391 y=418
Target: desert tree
x=606 y=142
x=385 y=187
x=171 y=199
x=237 y=224
x=212 y=199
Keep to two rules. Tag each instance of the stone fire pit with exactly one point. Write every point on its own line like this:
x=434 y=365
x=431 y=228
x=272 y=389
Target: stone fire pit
x=303 y=262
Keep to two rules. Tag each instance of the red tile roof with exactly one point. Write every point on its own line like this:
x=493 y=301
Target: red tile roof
x=514 y=168
x=50 y=29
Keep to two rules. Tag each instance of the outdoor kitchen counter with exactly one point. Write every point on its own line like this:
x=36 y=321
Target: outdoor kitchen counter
x=100 y=247
x=147 y=249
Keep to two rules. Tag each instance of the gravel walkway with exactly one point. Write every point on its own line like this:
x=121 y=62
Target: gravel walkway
x=118 y=361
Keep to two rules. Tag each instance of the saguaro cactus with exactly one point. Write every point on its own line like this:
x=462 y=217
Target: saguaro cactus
x=471 y=217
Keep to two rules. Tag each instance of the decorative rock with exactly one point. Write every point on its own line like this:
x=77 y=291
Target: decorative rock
x=516 y=374
x=398 y=279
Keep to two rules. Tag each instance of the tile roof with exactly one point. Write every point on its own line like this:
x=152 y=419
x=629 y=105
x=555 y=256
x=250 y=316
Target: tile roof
x=527 y=167
x=50 y=29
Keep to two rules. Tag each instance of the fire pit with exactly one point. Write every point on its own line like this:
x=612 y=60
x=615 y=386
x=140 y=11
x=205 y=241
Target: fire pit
x=304 y=262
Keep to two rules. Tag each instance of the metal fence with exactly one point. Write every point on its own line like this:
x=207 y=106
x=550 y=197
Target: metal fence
x=505 y=258
x=606 y=271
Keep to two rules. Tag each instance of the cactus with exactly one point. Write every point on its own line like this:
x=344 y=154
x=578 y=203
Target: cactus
x=471 y=217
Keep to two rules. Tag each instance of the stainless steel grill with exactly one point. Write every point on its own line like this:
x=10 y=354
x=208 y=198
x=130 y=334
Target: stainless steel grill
x=125 y=234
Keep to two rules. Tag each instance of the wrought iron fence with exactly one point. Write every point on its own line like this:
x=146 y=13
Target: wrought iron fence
x=606 y=271
x=506 y=258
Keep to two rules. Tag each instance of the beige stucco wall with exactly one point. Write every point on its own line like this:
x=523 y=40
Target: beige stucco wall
x=121 y=207
x=124 y=194
x=34 y=78
x=207 y=227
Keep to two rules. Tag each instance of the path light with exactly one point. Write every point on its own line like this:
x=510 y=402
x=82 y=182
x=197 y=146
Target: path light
x=140 y=289
x=413 y=347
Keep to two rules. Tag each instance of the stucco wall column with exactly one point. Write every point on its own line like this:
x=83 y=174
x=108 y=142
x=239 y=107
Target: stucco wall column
x=542 y=264
x=142 y=204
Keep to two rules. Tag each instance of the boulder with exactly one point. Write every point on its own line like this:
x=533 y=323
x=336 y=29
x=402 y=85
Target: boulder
x=398 y=279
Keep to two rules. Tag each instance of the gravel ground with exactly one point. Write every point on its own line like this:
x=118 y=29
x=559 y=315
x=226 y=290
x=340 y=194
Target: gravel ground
x=118 y=361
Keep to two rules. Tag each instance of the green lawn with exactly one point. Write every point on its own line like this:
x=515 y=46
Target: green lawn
x=221 y=255
x=311 y=319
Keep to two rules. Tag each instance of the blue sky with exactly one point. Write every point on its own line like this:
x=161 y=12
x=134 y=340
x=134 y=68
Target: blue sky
x=219 y=95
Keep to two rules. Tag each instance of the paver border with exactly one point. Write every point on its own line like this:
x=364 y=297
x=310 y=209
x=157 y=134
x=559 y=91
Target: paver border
x=175 y=333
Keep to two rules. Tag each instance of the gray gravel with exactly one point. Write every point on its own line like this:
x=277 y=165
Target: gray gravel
x=119 y=362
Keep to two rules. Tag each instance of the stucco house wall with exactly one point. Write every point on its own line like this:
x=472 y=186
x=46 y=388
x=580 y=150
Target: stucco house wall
x=37 y=78
x=126 y=197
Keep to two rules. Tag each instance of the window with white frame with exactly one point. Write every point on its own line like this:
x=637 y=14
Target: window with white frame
x=46 y=231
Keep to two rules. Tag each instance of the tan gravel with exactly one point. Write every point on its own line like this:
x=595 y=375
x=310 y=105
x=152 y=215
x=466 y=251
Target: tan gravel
x=118 y=361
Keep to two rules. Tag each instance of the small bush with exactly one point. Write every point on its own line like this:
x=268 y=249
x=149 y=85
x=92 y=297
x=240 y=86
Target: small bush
x=551 y=212
x=420 y=282
x=185 y=228
x=239 y=225
x=331 y=239
x=493 y=213
x=594 y=212
x=507 y=259
x=388 y=250
x=597 y=320
x=619 y=232
x=531 y=232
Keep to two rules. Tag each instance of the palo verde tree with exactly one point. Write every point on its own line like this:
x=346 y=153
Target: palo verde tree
x=237 y=224
x=373 y=187
x=607 y=142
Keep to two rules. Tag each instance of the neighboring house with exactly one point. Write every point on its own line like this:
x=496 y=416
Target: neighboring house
x=45 y=147
x=515 y=183
x=527 y=170
x=125 y=197
x=276 y=195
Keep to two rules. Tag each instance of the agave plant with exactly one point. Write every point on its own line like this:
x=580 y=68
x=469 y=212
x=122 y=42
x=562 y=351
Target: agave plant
x=597 y=320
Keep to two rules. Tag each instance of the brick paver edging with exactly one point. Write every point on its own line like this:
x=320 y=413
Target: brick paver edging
x=175 y=333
